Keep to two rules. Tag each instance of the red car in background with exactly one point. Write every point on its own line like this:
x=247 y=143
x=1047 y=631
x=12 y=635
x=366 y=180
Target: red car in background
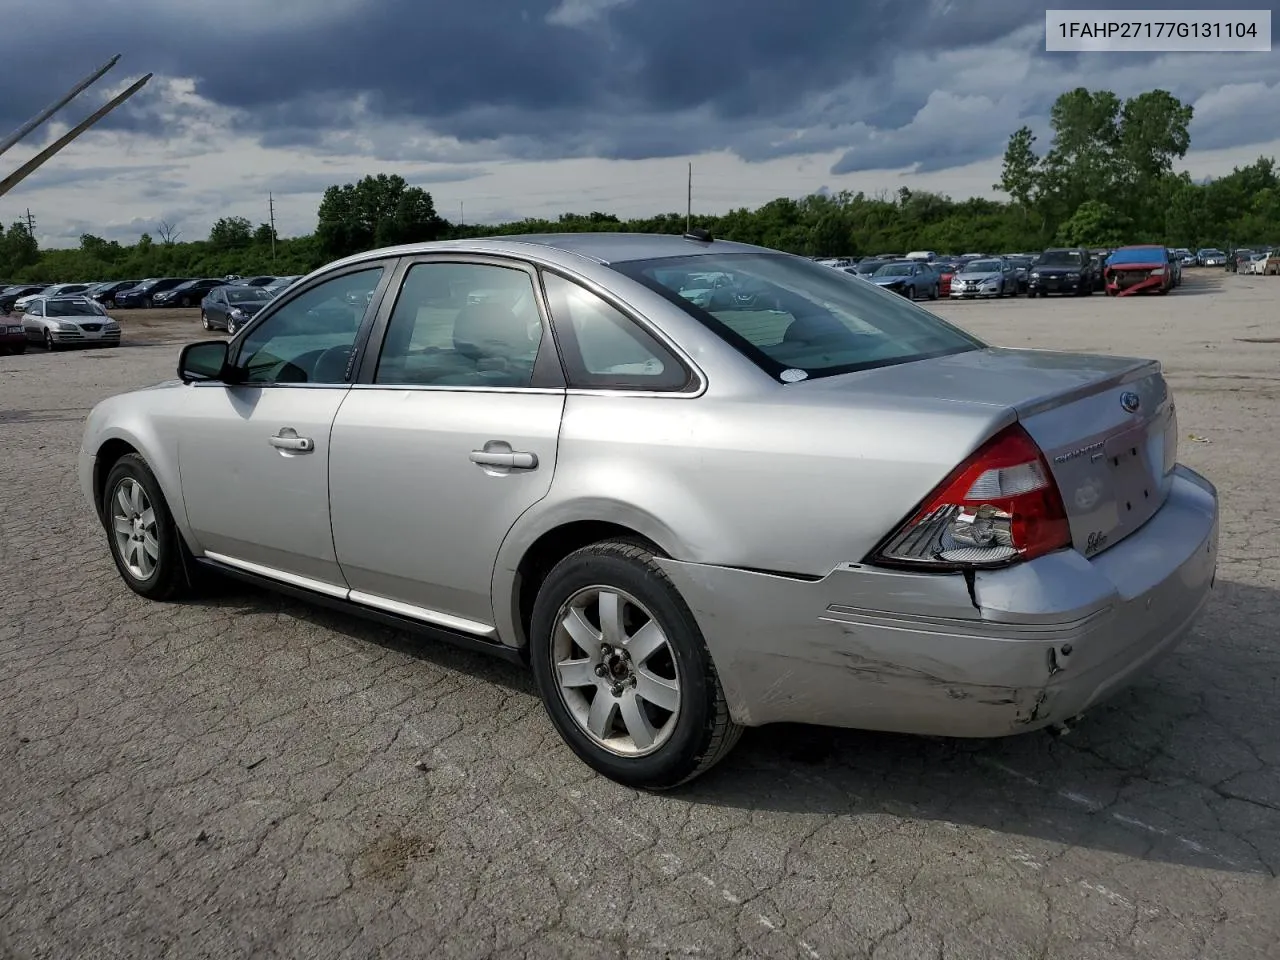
x=946 y=270
x=12 y=337
x=1138 y=269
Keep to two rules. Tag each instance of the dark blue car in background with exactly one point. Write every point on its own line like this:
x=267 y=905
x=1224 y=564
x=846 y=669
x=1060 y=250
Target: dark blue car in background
x=140 y=296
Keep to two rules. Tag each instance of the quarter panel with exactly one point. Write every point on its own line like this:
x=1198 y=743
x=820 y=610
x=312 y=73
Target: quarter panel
x=766 y=483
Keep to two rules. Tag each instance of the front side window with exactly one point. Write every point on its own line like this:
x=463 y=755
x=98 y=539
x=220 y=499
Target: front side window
x=798 y=319
x=310 y=338
x=462 y=325
x=602 y=347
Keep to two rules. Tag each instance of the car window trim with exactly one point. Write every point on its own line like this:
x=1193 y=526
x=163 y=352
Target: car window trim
x=387 y=265
x=694 y=381
x=548 y=372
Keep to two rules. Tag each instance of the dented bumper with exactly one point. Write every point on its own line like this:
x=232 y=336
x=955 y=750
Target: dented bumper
x=1025 y=647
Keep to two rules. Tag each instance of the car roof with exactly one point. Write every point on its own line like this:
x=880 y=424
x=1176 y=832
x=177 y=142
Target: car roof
x=603 y=248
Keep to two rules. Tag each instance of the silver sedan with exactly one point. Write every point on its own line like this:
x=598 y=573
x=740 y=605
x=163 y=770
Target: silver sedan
x=797 y=498
x=73 y=321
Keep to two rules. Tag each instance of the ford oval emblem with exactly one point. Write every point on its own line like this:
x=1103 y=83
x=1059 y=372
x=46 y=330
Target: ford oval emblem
x=1130 y=401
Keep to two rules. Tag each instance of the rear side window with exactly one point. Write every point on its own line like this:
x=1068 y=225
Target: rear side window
x=602 y=347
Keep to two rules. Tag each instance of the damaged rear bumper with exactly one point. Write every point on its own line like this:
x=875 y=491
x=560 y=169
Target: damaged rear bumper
x=1031 y=645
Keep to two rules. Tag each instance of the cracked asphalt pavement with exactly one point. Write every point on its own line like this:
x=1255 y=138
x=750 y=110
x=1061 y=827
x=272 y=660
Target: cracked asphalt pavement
x=249 y=776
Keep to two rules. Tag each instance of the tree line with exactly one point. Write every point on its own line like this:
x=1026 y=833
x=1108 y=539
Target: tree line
x=1107 y=178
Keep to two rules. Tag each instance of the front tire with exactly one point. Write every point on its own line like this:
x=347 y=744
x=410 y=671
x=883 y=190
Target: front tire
x=143 y=537
x=204 y=320
x=48 y=341
x=624 y=671
x=231 y=327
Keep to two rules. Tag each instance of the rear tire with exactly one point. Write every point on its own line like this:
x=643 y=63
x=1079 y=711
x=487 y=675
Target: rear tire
x=650 y=618
x=204 y=320
x=151 y=559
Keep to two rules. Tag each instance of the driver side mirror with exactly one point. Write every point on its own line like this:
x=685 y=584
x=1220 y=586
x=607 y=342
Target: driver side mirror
x=206 y=360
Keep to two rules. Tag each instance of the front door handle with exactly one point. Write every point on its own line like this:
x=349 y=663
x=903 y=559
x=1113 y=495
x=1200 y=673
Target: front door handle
x=288 y=439
x=514 y=460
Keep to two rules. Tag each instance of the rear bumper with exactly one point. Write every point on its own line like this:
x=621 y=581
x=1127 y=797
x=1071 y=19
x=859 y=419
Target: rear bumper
x=911 y=653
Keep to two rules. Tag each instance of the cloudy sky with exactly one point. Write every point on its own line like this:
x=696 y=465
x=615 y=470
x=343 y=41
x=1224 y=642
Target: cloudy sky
x=512 y=108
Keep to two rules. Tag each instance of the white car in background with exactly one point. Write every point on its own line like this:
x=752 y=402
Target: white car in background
x=57 y=290
x=69 y=321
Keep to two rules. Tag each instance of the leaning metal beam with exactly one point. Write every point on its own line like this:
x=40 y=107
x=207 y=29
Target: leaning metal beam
x=49 y=111
x=24 y=171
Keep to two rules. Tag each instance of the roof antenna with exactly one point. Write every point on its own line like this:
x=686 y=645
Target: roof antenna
x=690 y=231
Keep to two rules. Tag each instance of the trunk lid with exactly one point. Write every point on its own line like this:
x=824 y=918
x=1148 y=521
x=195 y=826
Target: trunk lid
x=1106 y=425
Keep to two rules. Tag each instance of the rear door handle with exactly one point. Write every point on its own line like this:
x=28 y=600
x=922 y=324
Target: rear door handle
x=514 y=460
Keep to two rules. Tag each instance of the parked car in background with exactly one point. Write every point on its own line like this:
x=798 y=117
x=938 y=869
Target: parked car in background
x=1175 y=268
x=231 y=307
x=69 y=321
x=869 y=265
x=938 y=569
x=9 y=296
x=13 y=338
x=1142 y=268
x=946 y=273
x=1066 y=270
x=1022 y=269
x=1211 y=257
x=105 y=293
x=914 y=279
x=189 y=293
x=262 y=281
x=281 y=284
x=57 y=290
x=989 y=277
x=1257 y=265
x=140 y=296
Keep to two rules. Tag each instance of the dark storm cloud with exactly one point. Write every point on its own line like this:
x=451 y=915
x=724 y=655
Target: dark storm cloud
x=511 y=78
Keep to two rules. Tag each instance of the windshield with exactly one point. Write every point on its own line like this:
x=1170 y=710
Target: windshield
x=797 y=319
x=983 y=266
x=73 y=308
x=247 y=295
x=894 y=270
x=1060 y=258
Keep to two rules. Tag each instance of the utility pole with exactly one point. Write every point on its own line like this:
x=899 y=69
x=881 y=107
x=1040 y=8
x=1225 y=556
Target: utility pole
x=688 y=210
x=31 y=222
x=462 y=212
x=271 y=212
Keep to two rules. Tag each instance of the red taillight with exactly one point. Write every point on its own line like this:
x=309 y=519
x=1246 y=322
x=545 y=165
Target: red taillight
x=998 y=507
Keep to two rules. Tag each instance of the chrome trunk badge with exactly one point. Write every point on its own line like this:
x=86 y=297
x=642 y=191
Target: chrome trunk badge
x=1130 y=401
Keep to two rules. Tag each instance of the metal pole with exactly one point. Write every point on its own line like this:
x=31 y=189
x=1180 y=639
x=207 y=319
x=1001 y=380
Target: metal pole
x=688 y=210
x=28 y=168
x=271 y=208
x=45 y=114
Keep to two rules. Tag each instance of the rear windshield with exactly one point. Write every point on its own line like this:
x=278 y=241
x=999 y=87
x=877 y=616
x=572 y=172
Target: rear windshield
x=797 y=319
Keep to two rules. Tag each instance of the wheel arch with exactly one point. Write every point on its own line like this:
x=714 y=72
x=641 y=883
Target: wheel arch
x=532 y=549
x=118 y=440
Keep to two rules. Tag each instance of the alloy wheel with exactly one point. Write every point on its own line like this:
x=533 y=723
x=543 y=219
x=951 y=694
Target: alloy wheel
x=616 y=671
x=133 y=523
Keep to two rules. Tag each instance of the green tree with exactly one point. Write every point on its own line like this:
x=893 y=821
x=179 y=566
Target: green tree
x=375 y=211
x=231 y=233
x=264 y=234
x=1094 y=224
x=20 y=250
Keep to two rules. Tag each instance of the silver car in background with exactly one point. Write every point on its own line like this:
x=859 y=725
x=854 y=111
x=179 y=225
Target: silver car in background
x=990 y=277
x=793 y=497
x=58 y=322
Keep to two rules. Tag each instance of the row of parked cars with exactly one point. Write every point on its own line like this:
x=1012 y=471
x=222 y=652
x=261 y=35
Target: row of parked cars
x=133 y=294
x=75 y=314
x=1074 y=271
